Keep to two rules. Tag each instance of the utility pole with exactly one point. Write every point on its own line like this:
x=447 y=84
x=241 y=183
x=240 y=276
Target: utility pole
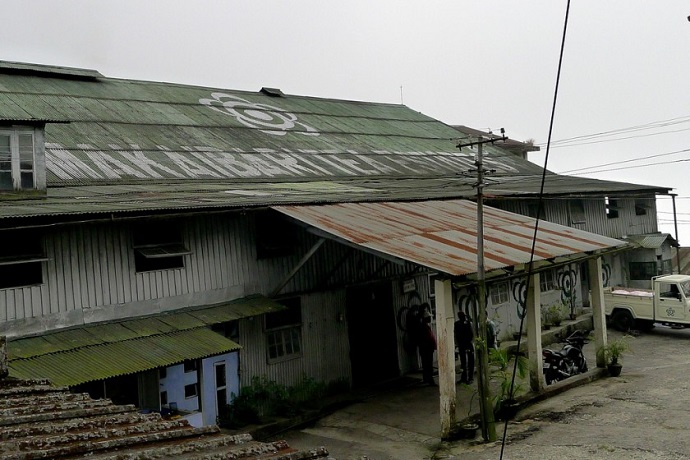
x=486 y=410
x=675 y=225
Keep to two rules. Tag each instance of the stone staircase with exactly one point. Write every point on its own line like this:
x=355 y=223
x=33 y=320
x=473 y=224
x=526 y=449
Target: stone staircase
x=39 y=421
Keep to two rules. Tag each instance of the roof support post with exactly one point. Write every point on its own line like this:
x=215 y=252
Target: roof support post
x=446 y=355
x=533 y=318
x=598 y=314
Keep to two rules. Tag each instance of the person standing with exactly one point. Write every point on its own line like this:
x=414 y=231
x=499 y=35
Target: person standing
x=427 y=346
x=464 y=341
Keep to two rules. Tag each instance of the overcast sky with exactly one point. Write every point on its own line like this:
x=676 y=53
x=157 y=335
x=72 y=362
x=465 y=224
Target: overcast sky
x=485 y=64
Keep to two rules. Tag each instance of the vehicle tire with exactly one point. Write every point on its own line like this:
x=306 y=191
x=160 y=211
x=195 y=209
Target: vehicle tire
x=645 y=325
x=623 y=320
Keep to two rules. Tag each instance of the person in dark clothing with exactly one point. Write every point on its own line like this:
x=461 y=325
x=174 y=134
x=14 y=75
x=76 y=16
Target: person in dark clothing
x=427 y=346
x=464 y=341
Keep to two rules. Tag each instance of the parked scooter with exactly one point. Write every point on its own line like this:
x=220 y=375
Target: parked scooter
x=569 y=361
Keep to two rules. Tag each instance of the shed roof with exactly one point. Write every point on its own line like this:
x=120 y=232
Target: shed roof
x=110 y=359
x=133 y=146
x=442 y=235
x=102 y=350
x=651 y=240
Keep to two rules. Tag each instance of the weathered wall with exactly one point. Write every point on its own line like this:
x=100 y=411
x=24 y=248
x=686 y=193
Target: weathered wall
x=90 y=275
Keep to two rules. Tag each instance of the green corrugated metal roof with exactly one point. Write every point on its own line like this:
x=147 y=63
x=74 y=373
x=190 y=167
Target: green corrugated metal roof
x=106 y=360
x=98 y=351
x=133 y=146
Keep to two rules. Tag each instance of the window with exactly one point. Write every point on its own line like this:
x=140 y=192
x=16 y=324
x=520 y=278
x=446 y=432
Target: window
x=17 y=159
x=190 y=366
x=21 y=259
x=164 y=398
x=577 y=212
x=191 y=390
x=284 y=331
x=669 y=291
x=499 y=293
x=611 y=208
x=221 y=387
x=276 y=236
x=641 y=207
x=158 y=246
x=547 y=281
x=642 y=270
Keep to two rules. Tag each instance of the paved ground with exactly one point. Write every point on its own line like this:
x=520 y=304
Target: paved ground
x=641 y=415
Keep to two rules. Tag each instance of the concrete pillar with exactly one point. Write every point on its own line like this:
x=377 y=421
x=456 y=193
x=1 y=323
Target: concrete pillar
x=445 y=319
x=533 y=319
x=596 y=284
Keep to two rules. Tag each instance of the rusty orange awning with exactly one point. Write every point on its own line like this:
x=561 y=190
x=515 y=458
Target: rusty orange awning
x=442 y=235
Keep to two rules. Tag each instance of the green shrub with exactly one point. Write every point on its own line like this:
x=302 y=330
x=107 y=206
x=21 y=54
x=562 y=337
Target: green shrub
x=264 y=399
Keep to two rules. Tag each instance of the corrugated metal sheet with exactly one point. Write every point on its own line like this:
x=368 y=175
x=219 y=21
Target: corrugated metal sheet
x=96 y=362
x=651 y=241
x=442 y=234
x=174 y=195
x=136 y=146
x=97 y=351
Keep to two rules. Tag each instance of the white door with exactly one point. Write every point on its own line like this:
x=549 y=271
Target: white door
x=220 y=380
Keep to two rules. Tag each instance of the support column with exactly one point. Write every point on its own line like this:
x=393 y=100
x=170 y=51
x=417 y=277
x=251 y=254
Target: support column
x=596 y=284
x=533 y=319
x=445 y=318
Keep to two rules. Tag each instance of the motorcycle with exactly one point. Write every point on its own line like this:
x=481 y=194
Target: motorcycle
x=568 y=361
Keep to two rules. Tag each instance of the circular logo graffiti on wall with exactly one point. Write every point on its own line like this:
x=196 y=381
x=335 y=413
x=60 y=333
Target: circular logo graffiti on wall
x=269 y=119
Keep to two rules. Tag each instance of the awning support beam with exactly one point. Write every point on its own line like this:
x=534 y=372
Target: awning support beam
x=297 y=267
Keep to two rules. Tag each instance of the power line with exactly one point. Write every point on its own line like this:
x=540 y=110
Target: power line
x=626 y=161
x=539 y=204
x=578 y=140
x=635 y=167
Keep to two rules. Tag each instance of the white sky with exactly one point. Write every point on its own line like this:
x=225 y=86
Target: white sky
x=483 y=63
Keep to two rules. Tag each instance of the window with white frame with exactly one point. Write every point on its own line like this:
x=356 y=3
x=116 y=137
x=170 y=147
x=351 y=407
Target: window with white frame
x=284 y=331
x=17 y=159
x=500 y=293
x=547 y=281
x=611 y=208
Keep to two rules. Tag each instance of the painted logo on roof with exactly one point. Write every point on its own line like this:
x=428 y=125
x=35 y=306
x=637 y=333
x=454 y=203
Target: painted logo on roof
x=267 y=118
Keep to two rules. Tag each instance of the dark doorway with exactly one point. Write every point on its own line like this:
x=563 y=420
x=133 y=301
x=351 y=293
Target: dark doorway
x=371 y=329
x=123 y=389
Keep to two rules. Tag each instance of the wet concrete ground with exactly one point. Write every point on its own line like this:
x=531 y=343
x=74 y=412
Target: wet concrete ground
x=641 y=415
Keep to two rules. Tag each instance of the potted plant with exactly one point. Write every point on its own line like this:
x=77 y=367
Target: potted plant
x=612 y=353
x=467 y=428
x=545 y=319
x=556 y=314
x=501 y=363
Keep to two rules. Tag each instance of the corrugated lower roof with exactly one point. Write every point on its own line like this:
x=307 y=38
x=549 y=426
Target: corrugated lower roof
x=98 y=351
x=442 y=235
x=105 y=360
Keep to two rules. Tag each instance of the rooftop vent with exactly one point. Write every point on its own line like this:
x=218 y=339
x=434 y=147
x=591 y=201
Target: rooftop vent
x=273 y=92
x=20 y=68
